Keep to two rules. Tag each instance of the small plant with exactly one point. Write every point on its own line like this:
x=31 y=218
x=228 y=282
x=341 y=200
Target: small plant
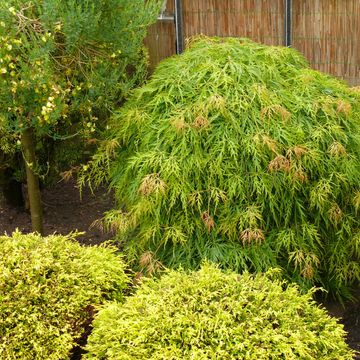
x=48 y=290
x=244 y=156
x=210 y=314
x=64 y=66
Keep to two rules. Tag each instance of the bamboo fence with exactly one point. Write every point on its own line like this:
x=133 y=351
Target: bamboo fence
x=327 y=32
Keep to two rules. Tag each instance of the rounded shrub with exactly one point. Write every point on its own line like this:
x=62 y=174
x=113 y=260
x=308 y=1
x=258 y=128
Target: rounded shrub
x=48 y=289
x=239 y=153
x=210 y=314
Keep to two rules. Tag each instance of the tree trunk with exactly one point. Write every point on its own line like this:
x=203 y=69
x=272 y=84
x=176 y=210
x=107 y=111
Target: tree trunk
x=27 y=142
x=2 y=187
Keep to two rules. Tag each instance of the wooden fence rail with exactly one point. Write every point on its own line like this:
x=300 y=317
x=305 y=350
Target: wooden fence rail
x=327 y=32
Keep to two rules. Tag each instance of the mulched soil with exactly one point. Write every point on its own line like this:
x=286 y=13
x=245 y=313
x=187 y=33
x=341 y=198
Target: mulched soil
x=349 y=315
x=65 y=211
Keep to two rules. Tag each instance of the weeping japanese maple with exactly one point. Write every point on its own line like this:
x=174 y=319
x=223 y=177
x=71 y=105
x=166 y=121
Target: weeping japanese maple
x=241 y=154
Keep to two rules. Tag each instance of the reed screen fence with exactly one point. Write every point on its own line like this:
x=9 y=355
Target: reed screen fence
x=327 y=32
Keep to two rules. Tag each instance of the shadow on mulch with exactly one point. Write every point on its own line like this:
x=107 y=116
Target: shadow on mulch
x=348 y=315
x=65 y=211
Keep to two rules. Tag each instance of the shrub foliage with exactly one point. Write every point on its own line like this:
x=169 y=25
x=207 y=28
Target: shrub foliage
x=241 y=154
x=48 y=287
x=210 y=314
x=66 y=61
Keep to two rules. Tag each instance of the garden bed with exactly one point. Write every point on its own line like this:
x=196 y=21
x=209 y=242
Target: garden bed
x=65 y=211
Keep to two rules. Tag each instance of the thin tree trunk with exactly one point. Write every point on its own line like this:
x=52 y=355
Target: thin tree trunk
x=27 y=142
x=2 y=187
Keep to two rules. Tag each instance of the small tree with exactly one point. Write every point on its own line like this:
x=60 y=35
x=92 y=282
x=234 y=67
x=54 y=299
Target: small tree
x=244 y=156
x=66 y=63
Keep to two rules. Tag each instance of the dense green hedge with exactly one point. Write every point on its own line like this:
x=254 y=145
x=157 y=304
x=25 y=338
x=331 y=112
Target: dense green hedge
x=210 y=314
x=48 y=287
x=239 y=153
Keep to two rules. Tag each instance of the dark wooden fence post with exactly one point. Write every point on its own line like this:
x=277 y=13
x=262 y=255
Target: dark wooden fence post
x=288 y=25
x=179 y=27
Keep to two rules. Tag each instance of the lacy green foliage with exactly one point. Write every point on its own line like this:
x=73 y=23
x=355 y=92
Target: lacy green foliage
x=65 y=64
x=210 y=314
x=239 y=153
x=48 y=287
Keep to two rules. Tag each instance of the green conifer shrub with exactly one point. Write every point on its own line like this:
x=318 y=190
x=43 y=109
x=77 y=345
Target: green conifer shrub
x=239 y=153
x=210 y=314
x=48 y=289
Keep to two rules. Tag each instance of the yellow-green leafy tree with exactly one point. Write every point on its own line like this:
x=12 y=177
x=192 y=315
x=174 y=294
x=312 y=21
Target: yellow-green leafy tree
x=64 y=65
x=244 y=156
